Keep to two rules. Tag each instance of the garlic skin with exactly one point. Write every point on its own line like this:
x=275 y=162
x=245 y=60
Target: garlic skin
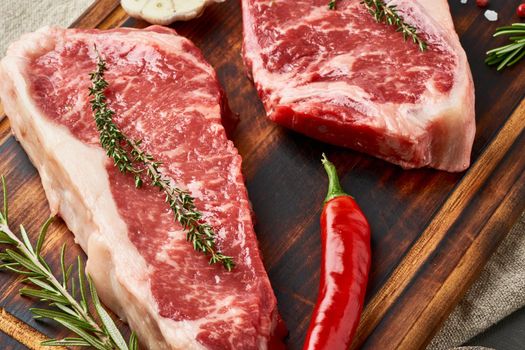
x=165 y=11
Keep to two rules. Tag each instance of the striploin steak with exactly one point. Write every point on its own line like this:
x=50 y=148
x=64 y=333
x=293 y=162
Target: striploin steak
x=165 y=94
x=343 y=78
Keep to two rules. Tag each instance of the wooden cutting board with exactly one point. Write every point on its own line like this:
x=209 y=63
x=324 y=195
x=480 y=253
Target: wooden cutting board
x=432 y=231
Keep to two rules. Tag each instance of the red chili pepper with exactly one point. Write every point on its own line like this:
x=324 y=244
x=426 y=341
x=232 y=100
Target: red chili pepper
x=345 y=236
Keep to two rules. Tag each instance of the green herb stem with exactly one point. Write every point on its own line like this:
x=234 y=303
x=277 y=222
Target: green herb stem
x=128 y=157
x=26 y=260
x=509 y=54
x=388 y=14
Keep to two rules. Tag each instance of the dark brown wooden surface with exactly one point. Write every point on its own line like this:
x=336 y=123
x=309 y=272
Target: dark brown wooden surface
x=432 y=231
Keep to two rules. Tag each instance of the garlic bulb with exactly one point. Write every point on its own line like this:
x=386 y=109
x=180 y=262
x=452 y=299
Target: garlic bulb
x=165 y=11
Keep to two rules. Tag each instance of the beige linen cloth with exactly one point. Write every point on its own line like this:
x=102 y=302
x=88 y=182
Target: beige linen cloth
x=497 y=293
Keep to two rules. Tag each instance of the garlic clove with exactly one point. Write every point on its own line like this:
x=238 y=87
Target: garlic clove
x=158 y=11
x=133 y=7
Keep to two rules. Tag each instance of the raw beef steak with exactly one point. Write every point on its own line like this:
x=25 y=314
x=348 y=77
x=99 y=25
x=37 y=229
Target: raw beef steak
x=341 y=77
x=165 y=94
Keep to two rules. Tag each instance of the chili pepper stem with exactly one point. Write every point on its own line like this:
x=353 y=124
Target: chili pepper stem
x=334 y=187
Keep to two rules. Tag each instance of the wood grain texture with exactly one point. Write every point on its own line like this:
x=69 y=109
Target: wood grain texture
x=22 y=333
x=98 y=12
x=9 y=343
x=432 y=231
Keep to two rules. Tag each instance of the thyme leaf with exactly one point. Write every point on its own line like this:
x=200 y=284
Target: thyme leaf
x=388 y=14
x=24 y=259
x=129 y=157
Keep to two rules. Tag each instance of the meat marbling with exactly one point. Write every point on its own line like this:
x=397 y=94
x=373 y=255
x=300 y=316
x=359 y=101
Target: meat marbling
x=341 y=77
x=165 y=94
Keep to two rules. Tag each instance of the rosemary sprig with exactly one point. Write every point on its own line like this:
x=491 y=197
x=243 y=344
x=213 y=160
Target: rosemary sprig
x=510 y=54
x=388 y=14
x=67 y=298
x=128 y=157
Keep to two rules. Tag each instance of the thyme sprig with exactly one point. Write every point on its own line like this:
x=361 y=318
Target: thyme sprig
x=128 y=157
x=68 y=298
x=388 y=14
x=510 y=54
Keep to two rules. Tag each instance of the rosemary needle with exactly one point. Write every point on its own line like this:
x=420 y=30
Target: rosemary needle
x=128 y=157
x=510 y=54
x=388 y=14
x=67 y=298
